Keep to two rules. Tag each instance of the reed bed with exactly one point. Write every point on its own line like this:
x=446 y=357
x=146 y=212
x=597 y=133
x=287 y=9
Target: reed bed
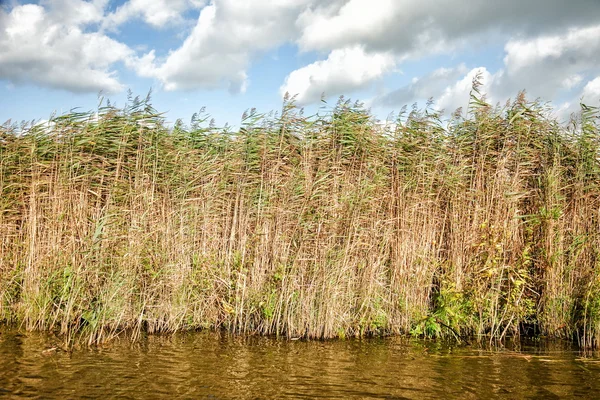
x=321 y=226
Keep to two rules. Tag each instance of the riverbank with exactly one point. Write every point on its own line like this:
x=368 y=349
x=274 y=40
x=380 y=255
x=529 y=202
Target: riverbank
x=304 y=226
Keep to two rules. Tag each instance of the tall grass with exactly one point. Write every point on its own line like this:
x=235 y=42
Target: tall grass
x=304 y=226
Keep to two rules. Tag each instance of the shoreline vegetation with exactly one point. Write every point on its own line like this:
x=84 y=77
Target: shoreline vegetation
x=485 y=226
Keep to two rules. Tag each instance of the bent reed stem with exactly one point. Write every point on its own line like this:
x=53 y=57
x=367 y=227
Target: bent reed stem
x=304 y=226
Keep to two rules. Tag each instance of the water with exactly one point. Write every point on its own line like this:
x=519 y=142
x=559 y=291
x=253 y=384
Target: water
x=218 y=366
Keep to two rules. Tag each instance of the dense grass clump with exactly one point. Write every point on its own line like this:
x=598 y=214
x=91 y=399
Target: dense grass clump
x=304 y=226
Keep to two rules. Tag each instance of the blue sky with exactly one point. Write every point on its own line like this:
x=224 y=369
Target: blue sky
x=231 y=55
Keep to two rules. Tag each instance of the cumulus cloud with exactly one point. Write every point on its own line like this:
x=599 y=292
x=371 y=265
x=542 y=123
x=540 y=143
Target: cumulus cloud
x=449 y=88
x=546 y=63
x=412 y=30
x=546 y=66
x=75 y=12
x=591 y=91
x=576 y=46
x=222 y=44
x=345 y=23
x=345 y=69
x=551 y=65
x=457 y=95
x=54 y=49
x=395 y=24
x=424 y=87
x=572 y=81
x=551 y=46
x=157 y=13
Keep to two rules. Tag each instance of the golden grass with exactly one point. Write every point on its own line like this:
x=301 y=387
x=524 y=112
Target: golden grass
x=322 y=226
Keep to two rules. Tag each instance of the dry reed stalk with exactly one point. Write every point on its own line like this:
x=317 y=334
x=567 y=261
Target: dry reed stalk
x=321 y=226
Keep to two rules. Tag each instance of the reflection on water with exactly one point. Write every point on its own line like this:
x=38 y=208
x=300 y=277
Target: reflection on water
x=209 y=365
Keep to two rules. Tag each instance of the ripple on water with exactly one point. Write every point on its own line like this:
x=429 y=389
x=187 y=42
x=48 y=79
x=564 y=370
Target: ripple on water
x=209 y=365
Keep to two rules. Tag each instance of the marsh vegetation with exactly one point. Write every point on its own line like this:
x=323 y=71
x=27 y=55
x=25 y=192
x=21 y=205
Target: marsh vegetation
x=483 y=225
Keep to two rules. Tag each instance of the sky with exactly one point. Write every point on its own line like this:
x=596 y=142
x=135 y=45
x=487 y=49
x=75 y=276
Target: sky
x=232 y=55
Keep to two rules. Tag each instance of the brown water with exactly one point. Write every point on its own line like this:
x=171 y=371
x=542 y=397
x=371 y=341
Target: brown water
x=213 y=366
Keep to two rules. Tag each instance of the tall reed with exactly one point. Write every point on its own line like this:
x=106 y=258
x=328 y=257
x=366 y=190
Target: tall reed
x=304 y=226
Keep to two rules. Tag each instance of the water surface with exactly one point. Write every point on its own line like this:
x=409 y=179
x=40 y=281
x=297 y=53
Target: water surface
x=219 y=366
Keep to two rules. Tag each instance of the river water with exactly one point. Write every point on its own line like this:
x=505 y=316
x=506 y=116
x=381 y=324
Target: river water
x=219 y=366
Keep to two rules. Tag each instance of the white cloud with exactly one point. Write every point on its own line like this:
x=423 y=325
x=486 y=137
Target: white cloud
x=576 y=46
x=571 y=81
x=75 y=12
x=430 y=85
x=344 y=70
x=345 y=23
x=591 y=91
x=551 y=46
x=550 y=64
x=457 y=95
x=449 y=88
x=56 y=51
x=227 y=36
x=412 y=30
x=546 y=66
x=394 y=24
x=157 y=13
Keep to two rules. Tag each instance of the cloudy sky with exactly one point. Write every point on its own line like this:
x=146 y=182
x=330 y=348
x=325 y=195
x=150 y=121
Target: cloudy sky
x=230 y=55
